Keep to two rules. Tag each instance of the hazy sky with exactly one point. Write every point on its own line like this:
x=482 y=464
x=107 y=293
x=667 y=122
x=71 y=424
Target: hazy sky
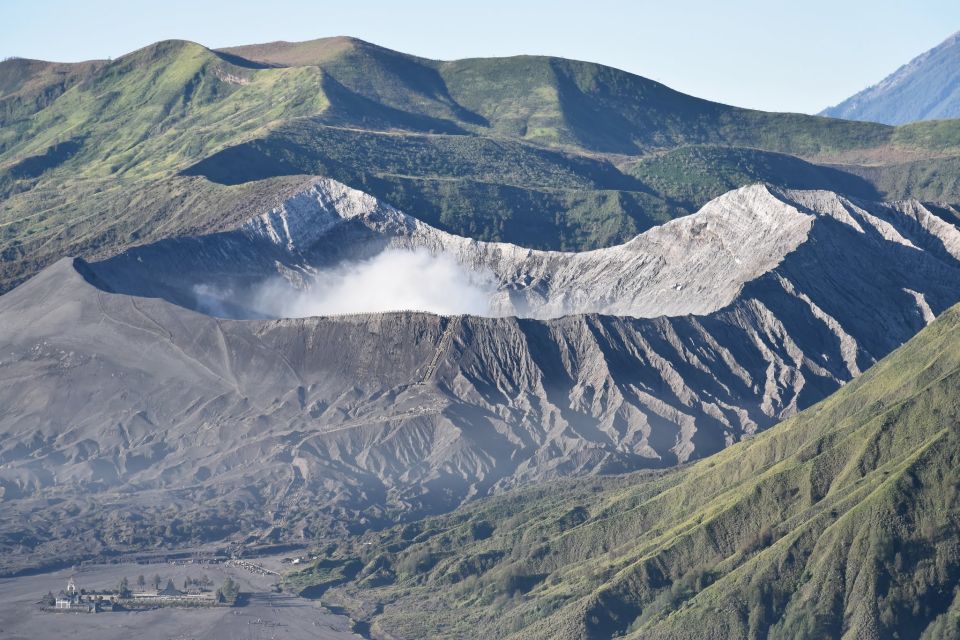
x=800 y=55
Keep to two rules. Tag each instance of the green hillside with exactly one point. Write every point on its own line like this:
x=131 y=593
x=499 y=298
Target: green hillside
x=540 y=151
x=843 y=522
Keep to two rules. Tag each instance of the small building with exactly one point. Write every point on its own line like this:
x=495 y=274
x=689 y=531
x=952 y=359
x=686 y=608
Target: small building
x=170 y=591
x=72 y=600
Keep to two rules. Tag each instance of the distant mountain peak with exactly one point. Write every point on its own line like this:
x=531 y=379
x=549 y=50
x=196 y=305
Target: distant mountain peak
x=926 y=88
x=282 y=53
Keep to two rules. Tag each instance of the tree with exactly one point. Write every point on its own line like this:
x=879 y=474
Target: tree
x=123 y=590
x=229 y=591
x=49 y=599
x=141 y=581
x=186 y=583
x=157 y=581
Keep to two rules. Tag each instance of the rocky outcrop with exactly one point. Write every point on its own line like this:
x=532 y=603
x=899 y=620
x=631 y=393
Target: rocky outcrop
x=693 y=265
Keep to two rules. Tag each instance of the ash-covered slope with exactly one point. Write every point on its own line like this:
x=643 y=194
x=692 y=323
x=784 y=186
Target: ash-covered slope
x=768 y=301
x=694 y=265
x=839 y=523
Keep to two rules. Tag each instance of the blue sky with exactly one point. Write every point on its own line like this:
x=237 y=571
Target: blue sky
x=775 y=55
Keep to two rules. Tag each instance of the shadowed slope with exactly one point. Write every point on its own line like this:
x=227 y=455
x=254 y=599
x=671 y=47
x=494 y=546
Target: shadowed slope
x=840 y=522
x=293 y=427
x=533 y=150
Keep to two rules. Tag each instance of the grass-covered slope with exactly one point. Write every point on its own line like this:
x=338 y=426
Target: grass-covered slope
x=689 y=174
x=842 y=522
x=554 y=101
x=28 y=86
x=543 y=152
x=591 y=106
x=157 y=109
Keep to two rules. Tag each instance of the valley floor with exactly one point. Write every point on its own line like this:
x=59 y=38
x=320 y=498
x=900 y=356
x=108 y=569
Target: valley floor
x=264 y=615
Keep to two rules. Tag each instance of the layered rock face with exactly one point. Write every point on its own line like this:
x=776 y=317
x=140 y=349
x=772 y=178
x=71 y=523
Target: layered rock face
x=693 y=265
x=668 y=348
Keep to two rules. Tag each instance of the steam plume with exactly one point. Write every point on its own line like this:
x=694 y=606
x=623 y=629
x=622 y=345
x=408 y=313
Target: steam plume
x=394 y=280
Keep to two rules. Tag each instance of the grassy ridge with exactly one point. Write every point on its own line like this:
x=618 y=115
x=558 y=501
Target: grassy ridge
x=692 y=175
x=842 y=521
x=543 y=152
x=160 y=108
x=28 y=86
x=590 y=106
x=119 y=213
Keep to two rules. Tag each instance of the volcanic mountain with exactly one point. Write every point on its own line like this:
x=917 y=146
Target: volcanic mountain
x=177 y=139
x=841 y=522
x=926 y=88
x=160 y=394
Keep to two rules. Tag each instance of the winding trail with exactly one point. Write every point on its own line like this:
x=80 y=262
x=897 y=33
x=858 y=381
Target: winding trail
x=453 y=323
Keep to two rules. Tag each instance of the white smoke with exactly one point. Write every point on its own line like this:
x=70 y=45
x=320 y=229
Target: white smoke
x=215 y=301
x=394 y=280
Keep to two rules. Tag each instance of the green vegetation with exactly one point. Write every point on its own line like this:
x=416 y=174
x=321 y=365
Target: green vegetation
x=839 y=522
x=203 y=583
x=842 y=521
x=321 y=575
x=695 y=174
x=543 y=152
x=227 y=593
x=28 y=86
